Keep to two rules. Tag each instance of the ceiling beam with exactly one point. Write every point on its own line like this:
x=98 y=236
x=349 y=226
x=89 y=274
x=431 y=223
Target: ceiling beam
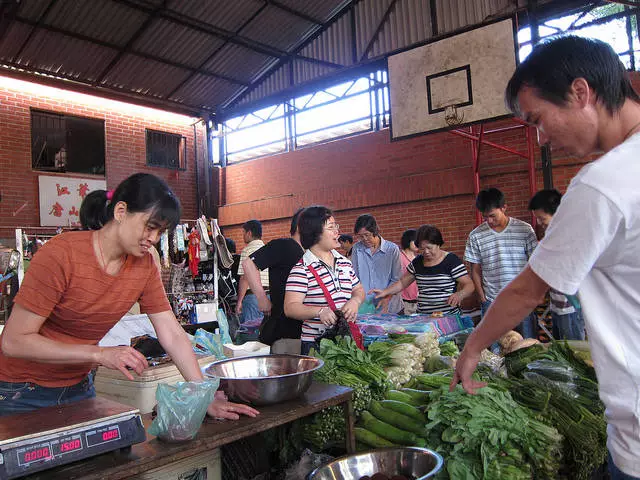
x=137 y=34
x=133 y=52
x=375 y=35
x=196 y=24
x=293 y=11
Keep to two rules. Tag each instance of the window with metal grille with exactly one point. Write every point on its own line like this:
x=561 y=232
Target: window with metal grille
x=166 y=150
x=66 y=143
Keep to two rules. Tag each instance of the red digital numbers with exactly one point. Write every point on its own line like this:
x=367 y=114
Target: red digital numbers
x=37 y=454
x=70 y=446
x=110 y=435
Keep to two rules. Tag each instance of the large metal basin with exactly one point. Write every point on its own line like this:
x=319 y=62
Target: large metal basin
x=411 y=462
x=264 y=379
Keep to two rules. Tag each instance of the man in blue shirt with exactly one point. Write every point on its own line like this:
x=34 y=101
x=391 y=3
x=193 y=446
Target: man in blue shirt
x=376 y=261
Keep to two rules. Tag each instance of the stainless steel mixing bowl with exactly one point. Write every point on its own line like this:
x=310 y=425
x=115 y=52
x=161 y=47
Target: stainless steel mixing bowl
x=264 y=379
x=411 y=462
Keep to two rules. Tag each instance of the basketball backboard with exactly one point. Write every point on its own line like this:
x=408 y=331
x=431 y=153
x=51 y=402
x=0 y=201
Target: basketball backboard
x=453 y=81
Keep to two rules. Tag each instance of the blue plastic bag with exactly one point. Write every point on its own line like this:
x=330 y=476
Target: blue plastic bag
x=181 y=409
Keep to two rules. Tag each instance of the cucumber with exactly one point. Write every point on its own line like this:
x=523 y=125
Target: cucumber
x=421 y=396
x=370 y=439
x=389 y=432
x=400 y=397
x=396 y=419
x=405 y=409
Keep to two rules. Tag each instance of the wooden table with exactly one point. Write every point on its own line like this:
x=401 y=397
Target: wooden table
x=213 y=434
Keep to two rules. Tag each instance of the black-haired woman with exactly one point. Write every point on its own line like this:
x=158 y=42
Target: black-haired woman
x=442 y=279
x=321 y=266
x=78 y=286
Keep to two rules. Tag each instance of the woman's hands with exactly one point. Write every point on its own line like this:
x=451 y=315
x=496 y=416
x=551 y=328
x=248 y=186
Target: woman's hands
x=327 y=317
x=119 y=358
x=350 y=310
x=455 y=299
x=220 y=408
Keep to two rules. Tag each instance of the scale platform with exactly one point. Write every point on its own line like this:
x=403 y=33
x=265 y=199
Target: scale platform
x=53 y=436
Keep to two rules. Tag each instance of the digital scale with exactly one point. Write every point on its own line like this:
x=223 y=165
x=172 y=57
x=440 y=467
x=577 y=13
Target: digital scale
x=53 y=436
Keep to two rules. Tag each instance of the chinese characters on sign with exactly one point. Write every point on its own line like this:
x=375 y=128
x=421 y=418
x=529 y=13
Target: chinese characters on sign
x=61 y=197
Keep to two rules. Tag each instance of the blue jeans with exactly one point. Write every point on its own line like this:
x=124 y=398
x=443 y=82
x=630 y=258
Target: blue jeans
x=24 y=397
x=569 y=326
x=616 y=473
x=250 y=310
x=528 y=328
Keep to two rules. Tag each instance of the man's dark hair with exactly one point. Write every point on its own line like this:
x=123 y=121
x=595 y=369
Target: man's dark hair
x=253 y=226
x=489 y=199
x=231 y=245
x=345 y=238
x=408 y=236
x=430 y=234
x=294 y=221
x=311 y=224
x=368 y=222
x=553 y=65
x=546 y=200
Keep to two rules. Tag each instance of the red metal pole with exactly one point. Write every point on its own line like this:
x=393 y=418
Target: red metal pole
x=487 y=142
x=475 y=152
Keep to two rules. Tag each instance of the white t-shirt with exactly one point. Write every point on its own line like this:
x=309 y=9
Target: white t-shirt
x=502 y=255
x=593 y=244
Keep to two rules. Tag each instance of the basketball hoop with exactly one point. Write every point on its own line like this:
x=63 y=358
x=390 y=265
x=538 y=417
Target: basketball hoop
x=452 y=117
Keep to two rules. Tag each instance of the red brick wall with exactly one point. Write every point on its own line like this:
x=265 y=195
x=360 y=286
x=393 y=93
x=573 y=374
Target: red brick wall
x=404 y=184
x=125 y=146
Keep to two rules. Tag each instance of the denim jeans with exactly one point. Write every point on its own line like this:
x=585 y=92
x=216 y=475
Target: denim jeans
x=616 y=473
x=528 y=328
x=250 y=311
x=24 y=397
x=569 y=326
x=307 y=346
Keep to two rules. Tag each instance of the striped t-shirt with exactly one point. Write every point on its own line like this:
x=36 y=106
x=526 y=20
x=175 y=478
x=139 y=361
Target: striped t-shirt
x=339 y=282
x=437 y=283
x=502 y=255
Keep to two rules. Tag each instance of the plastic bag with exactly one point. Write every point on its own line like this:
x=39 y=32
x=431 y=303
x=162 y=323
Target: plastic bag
x=207 y=343
x=309 y=461
x=181 y=409
x=223 y=326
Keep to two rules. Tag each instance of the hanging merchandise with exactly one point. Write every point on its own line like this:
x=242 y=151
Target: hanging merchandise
x=194 y=251
x=180 y=236
x=226 y=260
x=164 y=249
x=202 y=227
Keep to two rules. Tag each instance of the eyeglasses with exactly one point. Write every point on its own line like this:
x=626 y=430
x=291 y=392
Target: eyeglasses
x=335 y=227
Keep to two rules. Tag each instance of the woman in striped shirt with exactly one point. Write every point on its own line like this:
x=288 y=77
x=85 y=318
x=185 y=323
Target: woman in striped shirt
x=304 y=298
x=441 y=276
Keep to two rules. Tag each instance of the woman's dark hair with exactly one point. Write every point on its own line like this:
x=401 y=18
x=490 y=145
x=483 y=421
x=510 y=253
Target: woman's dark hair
x=294 y=221
x=368 y=222
x=142 y=192
x=552 y=67
x=408 y=236
x=311 y=224
x=345 y=238
x=546 y=200
x=253 y=226
x=430 y=234
x=489 y=199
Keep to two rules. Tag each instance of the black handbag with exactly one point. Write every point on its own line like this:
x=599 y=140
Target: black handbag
x=268 y=332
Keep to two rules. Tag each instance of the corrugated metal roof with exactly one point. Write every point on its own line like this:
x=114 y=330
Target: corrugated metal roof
x=177 y=43
x=277 y=28
x=106 y=21
x=32 y=9
x=276 y=82
x=55 y=53
x=409 y=23
x=323 y=11
x=238 y=62
x=306 y=71
x=330 y=45
x=368 y=17
x=203 y=91
x=145 y=76
x=227 y=14
x=16 y=35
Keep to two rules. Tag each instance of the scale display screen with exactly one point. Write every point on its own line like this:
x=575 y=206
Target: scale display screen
x=103 y=435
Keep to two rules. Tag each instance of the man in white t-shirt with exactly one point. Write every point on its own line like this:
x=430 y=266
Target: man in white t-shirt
x=576 y=92
x=498 y=250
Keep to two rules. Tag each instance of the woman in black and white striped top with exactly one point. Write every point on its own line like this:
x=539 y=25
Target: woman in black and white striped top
x=441 y=276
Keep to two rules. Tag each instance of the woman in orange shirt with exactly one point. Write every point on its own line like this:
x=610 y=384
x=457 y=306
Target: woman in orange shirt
x=78 y=286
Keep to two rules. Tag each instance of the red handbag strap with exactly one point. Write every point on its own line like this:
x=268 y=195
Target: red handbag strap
x=353 y=328
x=327 y=295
